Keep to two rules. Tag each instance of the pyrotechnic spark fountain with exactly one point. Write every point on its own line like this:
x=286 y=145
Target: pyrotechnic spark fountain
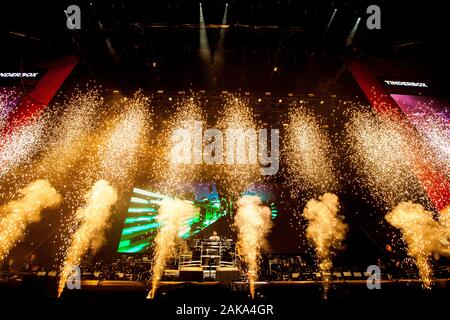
x=382 y=154
x=7 y=101
x=70 y=137
x=429 y=119
x=66 y=146
x=20 y=145
x=18 y=214
x=93 y=221
x=326 y=230
x=237 y=115
x=118 y=151
x=109 y=154
x=309 y=153
x=171 y=215
x=422 y=234
x=169 y=173
x=435 y=132
x=253 y=222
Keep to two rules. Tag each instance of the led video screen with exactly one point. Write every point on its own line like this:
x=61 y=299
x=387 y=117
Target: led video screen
x=140 y=225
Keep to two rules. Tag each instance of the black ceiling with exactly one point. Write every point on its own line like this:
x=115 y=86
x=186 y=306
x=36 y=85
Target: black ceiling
x=153 y=44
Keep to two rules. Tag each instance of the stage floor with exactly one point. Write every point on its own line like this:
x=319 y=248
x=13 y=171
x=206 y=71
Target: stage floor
x=286 y=297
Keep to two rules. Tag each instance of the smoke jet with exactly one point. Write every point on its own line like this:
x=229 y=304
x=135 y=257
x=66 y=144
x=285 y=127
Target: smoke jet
x=422 y=234
x=253 y=222
x=93 y=221
x=172 y=214
x=326 y=230
x=18 y=214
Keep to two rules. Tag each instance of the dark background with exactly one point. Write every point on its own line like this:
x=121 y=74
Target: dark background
x=263 y=33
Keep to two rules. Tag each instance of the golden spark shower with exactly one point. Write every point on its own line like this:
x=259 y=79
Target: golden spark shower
x=113 y=161
x=309 y=154
x=238 y=118
x=224 y=157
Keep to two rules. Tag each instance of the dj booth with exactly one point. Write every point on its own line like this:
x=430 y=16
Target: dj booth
x=206 y=260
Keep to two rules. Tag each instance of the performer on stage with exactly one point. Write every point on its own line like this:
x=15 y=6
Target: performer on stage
x=215 y=236
x=213 y=259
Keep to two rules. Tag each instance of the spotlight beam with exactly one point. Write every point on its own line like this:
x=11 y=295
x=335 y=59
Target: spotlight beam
x=351 y=36
x=218 y=63
x=112 y=51
x=205 y=53
x=331 y=20
x=224 y=21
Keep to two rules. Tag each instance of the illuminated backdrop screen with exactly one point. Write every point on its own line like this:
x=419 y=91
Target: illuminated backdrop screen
x=140 y=225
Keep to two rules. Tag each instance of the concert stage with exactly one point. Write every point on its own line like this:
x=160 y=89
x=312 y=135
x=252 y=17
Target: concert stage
x=264 y=158
x=287 y=297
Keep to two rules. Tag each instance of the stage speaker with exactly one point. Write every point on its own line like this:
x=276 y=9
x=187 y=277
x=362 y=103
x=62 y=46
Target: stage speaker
x=227 y=274
x=191 y=274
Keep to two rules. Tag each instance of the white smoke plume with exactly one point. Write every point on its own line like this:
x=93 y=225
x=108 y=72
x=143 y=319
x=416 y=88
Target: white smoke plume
x=16 y=215
x=422 y=234
x=93 y=220
x=326 y=230
x=172 y=214
x=253 y=221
